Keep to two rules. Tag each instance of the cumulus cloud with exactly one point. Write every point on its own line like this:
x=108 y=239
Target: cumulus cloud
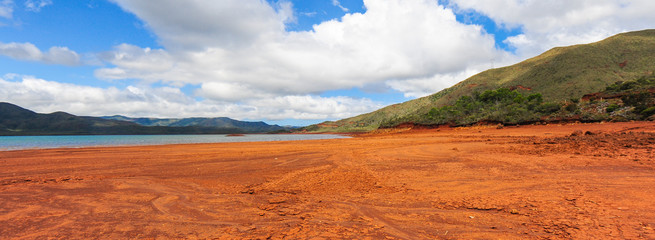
x=141 y=63
x=246 y=53
x=29 y=52
x=313 y=107
x=36 y=5
x=419 y=87
x=548 y=24
x=145 y=101
x=198 y=25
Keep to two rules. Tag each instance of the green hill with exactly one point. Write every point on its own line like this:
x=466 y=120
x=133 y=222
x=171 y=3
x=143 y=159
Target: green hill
x=15 y=120
x=559 y=74
x=219 y=122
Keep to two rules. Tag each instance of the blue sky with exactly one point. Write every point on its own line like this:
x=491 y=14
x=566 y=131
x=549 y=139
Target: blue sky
x=285 y=62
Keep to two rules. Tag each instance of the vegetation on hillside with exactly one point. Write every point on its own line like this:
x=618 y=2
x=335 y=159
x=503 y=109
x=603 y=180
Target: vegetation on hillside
x=631 y=100
x=621 y=101
x=502 y=106
x=562 y=75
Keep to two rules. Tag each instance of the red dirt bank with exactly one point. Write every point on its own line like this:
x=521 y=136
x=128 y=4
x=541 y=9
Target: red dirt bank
x=583 y=181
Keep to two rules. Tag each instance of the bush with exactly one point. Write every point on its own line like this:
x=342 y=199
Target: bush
x=611 y=108
x=548 y=108
x=648 y=112
x=641 y=83
x=635 y=99
x=571 y=107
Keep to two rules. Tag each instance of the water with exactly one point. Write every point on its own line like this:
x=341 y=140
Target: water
x=41 y=142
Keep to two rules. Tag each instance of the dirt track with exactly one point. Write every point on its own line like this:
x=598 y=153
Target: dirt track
x=584 y=181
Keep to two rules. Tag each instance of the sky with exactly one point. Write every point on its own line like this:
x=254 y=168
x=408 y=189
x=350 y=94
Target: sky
x=287 y=62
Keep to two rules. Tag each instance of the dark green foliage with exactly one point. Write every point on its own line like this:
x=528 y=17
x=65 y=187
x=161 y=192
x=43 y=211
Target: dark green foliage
x=635 y=99
x=548 y=108
x=642 y=102
x=572 y=107
x=648 y=112
x=612 y=107
x=501 y=105
x=637 y=95
x=639 y=84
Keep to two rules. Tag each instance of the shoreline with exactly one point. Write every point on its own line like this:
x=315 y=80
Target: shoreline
x=85 y=141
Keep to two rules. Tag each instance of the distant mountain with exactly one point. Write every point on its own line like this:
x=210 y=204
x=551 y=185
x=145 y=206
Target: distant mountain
x=221 y=122
x=15 y=120
x=560 y=74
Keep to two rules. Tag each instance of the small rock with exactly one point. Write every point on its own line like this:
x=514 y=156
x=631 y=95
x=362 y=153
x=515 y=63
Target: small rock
x=514 y=211
x=249 y=191
x=576 y=133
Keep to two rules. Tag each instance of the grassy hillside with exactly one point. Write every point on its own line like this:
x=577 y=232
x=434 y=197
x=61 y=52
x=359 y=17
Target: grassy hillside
x=560 y=74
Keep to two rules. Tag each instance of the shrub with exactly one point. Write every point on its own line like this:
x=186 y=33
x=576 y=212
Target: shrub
x=635 y=99
x=548 y=108
x=611 y=108
x=571 y=107
x=648 y=112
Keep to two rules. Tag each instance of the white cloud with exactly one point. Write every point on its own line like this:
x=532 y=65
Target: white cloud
x=247 y=54
x=21 y=51
x=142 y=63
x=420 y=87
x=36 y=5
x=313 y=107
x=336 y=3
x=548 y=24
x=144 y=101
x=202 y=24
x=61 y=55
x=233 y=92
x=285 y=12
x=6 y=9
x=308 y=14
x=29 y=52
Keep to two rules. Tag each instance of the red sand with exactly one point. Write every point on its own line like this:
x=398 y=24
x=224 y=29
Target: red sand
x=528 y=182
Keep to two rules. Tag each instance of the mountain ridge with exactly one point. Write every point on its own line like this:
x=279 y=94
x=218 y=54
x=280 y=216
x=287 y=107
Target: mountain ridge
x=224 y=122
x=16 y=120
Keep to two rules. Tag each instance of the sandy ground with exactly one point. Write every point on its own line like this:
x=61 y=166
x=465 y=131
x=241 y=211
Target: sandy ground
x=582 y=181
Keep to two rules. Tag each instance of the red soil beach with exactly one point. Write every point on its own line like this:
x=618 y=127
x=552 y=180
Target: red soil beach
x=581 y=181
